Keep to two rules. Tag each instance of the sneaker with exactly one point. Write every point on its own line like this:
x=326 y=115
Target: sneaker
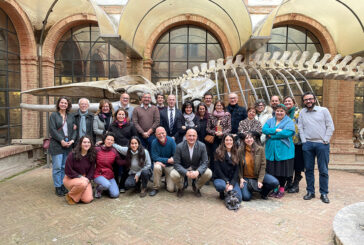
x=273 y=194
x=122 y=190
x=98 y=193
x=143 y=192
x=198 y=193
x=153 y=192
x=70 y=200
x=280 y=194
x=64 y=189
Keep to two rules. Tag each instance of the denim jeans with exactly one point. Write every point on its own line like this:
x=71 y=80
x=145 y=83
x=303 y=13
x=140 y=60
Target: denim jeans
x=58 y=164
x=269 y=183
x=105 y=184
x=322 y=152
x=220 y=186
x=147 y=143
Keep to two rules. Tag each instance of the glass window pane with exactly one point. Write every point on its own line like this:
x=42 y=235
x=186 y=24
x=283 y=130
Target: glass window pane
x=179 y=35
x=2 y=99
x=160 y=69
x=95 y=33
x=101 y=49
x=296 y=35
x=2 y=79
x=15 y=116
x=14 y=80
x=66 y=80
x=196 y=35
x=178 y=52
x=3 y=117
x=13 y=62
x=214 y=51
x=13 y=43
x=14 y=99
x=314 y=48
x=311 y=38
x=15 y=132
x=178 y=68
x=116 y=69
x=211 y=39
x=3 y=136
x=197 y=52
x=160 y=52
x=276 y=47
x=292 y=47
x=279 y=35
x=82 y=34
x=164 y=38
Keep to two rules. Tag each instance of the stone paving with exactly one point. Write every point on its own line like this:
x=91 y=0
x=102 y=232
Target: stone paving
x=32 y=214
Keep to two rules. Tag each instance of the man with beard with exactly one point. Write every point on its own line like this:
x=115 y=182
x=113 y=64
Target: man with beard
x=274 y=101
x=316 y=127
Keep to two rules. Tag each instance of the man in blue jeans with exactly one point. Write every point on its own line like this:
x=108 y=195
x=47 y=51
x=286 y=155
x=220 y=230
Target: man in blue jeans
x=316 y=127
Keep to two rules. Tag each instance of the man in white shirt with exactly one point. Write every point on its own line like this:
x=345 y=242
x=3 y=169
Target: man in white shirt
x=169 y=116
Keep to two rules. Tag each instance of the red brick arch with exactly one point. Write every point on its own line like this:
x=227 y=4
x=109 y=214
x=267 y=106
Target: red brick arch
x=186 y=19
x=320 y=31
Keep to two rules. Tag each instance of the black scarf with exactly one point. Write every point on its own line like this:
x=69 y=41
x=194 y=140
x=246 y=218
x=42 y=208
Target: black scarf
x=105 y=118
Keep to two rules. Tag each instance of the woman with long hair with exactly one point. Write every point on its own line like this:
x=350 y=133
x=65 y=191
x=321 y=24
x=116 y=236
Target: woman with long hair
x=104 y=174
x=140 y=165
x=80 y=168
x=189 y=120
x=202 y=116
x=293 y=112
x=279 y=148
x=252 y=174
x=218 y=125
x=226 y=175
x=63 y=135
x=103 y=119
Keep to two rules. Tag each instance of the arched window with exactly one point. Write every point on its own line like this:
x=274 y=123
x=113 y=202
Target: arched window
x=10 y=112
x=182 y=48
x=291 y=38
x=81 y=56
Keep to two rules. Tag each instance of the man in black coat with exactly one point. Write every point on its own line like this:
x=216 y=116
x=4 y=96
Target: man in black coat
x=169 y=116
x=237 y=112
x=84 y=120
x=190 y=160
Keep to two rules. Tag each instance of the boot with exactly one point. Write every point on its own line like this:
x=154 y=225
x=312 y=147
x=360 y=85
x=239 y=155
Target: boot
x=59 y=192
x=296 y=185
x=143 y=192
x=289 y=184
x=64 y=189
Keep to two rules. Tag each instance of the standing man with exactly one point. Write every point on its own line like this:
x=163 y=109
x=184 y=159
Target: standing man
x=316 y=127
x=160 y=101
x=274 y=101
x=170 y=116
x=84 y=120
x=146 y=120
x=163 y=149
x=190 y=160
x=207 y=99
x=124 y=103
x=237 y=112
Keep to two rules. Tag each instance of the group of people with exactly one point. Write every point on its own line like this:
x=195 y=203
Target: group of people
x=262 y=149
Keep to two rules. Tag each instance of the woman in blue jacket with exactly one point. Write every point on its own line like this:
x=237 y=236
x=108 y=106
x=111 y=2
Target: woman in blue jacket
x=279 y=148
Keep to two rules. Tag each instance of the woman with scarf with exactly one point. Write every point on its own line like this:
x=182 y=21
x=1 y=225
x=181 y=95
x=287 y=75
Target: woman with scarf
x=104 y=174
x=189 y=120
x=293 y=113
x=250 y=124
x=123 y=131
x=279 y=148
x=80 y=168
x=218 y=125
x=140 y=165
x=102 y=119
x=264 y=113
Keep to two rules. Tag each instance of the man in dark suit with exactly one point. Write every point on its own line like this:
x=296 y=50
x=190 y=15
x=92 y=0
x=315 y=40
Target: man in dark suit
x=169 y=116
x=190 y=160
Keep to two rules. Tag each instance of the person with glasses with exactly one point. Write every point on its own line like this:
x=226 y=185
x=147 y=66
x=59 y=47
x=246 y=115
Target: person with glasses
x=207 y=99
x=102 y=119
x=316 y=127
x=264 y=113
x=238 y=113
x=125 y=104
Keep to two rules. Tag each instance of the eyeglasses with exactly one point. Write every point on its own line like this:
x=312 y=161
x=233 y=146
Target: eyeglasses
x=309 y=99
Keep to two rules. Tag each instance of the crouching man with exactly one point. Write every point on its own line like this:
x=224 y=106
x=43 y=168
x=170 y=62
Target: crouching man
x=190 y=160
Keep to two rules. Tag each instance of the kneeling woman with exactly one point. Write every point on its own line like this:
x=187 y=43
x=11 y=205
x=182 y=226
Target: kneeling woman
x=104 y=174
x=227 y=167
x=140 y=165
x=80 y=168
x=252 y=169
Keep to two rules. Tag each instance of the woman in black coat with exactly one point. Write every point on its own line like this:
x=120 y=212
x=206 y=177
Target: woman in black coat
x=202 y=116
x=123 y=131
x=188 y=121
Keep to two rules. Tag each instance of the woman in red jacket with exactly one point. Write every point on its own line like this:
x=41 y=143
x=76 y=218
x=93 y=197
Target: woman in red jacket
x=79 y=170
x=104 y=174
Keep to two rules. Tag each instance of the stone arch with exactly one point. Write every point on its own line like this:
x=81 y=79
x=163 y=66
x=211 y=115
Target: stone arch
x=187 y=19
x=320 y=31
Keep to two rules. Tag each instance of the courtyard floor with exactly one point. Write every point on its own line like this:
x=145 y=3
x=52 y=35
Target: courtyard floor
x=32 y=214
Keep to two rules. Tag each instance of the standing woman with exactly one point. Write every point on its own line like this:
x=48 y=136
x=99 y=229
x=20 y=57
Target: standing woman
x=202 y=116
x=80 y=168
x=123 y=132
x=252 y=173
x=264 y=113
x=189 y=120
x=102 y=119
x=226 y=175
x=293 y=113
x=279 y=148
x=218 y=125
x=104 y=174
x=140 y=165
x=63 y=135
x=250 y=124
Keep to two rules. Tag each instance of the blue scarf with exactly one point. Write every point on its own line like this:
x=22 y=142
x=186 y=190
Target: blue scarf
x=285 y=124
x=82 y=130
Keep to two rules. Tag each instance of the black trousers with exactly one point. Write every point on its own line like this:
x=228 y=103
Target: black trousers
x=143 y=180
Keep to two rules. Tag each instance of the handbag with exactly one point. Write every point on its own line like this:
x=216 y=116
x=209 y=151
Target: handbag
x=253 y=185
x=209 y=139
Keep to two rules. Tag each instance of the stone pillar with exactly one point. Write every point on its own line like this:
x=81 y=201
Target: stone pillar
x=134 y=66
x=29 y=78
x=147 y=68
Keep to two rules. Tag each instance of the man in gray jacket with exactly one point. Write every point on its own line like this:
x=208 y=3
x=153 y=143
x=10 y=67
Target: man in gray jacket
x=190 y=160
